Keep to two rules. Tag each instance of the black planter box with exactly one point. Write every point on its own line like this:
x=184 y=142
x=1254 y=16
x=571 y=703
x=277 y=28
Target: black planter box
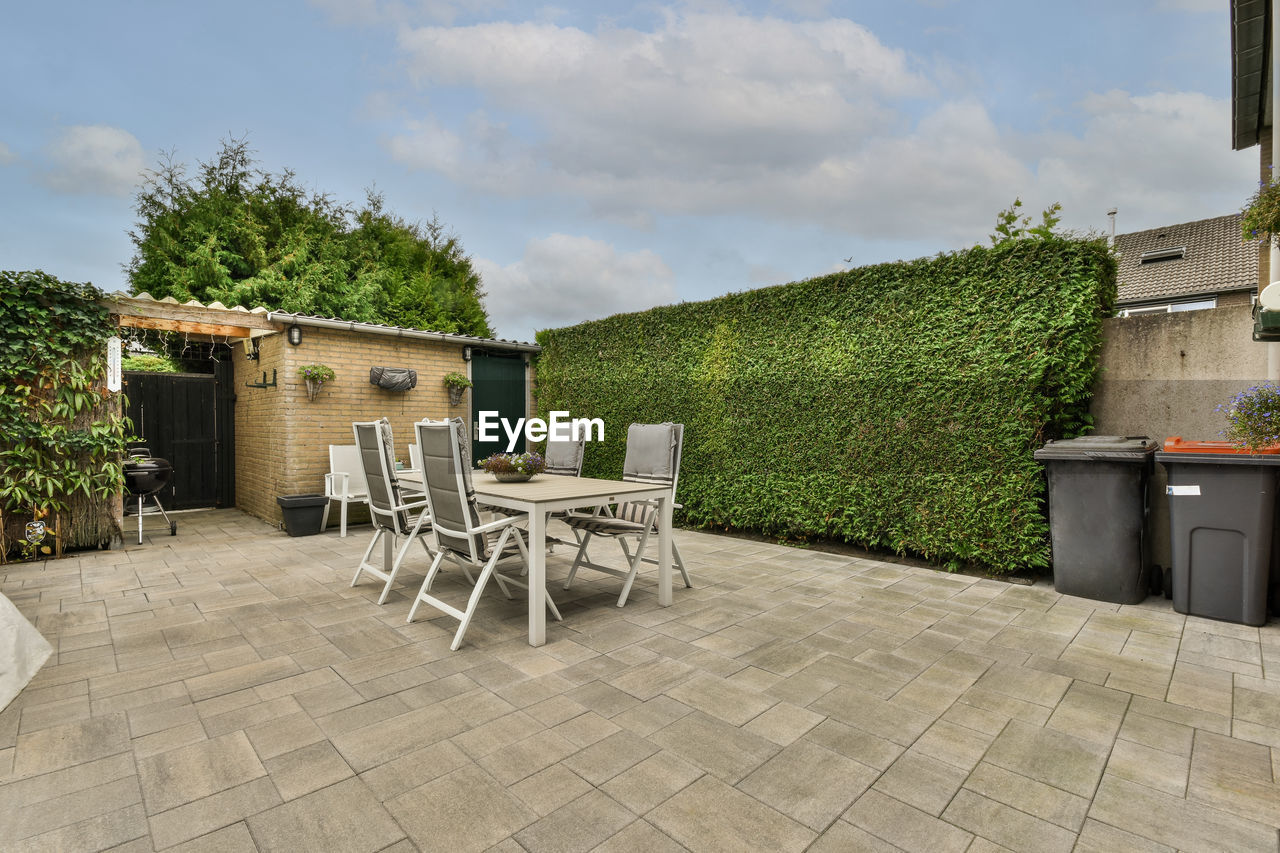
x=302 y=513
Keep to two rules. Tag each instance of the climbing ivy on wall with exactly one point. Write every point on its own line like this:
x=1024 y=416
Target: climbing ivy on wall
x=61 y=431
x=893 y=406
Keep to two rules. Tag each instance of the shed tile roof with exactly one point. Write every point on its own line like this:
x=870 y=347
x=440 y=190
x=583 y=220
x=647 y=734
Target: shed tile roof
x=1217 y=260
x=354 y=326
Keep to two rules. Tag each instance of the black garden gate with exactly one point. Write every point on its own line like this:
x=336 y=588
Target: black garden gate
x=187 y=418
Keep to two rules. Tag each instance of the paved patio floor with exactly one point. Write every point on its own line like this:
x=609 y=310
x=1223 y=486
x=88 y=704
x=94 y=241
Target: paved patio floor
x=227 y=690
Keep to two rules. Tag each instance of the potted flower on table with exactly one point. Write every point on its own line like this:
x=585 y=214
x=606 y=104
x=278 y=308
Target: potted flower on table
x=514 y=467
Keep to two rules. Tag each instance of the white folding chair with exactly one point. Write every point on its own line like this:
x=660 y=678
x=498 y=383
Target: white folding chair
x=653 y=456
x=344 y=483
x=393 y=517
x=460 y=536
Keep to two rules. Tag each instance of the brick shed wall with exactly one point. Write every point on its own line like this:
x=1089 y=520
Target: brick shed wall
x=282 y=439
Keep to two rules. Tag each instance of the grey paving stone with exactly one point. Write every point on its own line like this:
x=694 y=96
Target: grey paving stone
x=306 y=769
x=548 y=790
x=905 y=827
x=645 y=785
x=212 y=812
x=231 y=839
x=69 y=744
x=719 y=698
x=1155 y=768
x=193 y=772
x=843 y=836
x=1048 y=756
x=462 y=811
x=345 y=816
x=921 y=781
x=1006 y=826
x=640 y=835
x=1175 y=821
x=1098 y=837
x=717 y=747
x=577 y=826
x=1027 y=795
x=607 y=758
x=712 y=816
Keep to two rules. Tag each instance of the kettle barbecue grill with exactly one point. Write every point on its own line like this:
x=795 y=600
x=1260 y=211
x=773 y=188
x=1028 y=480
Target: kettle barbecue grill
x=144 y=476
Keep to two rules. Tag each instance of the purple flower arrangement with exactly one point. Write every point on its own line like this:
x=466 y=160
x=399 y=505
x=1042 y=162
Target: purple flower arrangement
x=529 y=463
x=1253 y=417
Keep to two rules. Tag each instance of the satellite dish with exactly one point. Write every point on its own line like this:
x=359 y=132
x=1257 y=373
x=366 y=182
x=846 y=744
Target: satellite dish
x=1269 y=298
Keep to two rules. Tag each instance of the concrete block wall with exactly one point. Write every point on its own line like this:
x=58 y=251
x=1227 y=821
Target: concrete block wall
x=282 y=438
x=1163 y=374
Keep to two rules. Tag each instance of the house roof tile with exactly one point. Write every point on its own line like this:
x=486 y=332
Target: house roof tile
x=1216 y=260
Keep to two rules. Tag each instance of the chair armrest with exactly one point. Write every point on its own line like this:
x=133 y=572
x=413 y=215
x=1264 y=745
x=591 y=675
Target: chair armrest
x=412 y=505
x=505 y=521
x=342 y=478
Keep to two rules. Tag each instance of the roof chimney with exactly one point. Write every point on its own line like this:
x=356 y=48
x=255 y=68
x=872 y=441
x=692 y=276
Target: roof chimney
x=1111 y=214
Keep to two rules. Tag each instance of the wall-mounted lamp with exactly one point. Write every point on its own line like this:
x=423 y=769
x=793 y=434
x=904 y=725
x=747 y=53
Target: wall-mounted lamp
x=295 y=334
x=466 y=353
x=251 y=349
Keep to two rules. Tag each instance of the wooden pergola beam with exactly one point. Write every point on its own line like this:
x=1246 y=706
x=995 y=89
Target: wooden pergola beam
x=191 y=327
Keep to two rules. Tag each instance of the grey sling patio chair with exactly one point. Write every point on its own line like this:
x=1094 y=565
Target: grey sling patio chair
x=460 y=535
x=565 y=457
x=392 y=515
x=653 y=456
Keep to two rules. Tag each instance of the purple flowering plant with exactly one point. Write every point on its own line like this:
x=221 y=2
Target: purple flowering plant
x=1253 y=417
x=514 y=463
x=316 y=372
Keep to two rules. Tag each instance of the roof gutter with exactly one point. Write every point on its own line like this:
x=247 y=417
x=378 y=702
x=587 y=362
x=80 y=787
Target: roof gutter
x=398 y=332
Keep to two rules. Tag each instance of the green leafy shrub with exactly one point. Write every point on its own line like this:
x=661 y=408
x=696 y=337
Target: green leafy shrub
x=1261 y=214
x=316 y=372
x=146 y=363
x=61 y=431
x=457 y=380
x=893 y=406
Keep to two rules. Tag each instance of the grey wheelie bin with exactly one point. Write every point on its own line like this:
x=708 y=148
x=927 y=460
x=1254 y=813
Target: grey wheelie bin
x=1098 y=515
x=1221 y=514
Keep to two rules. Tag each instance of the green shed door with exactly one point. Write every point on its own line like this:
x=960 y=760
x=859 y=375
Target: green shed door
x=499 y=387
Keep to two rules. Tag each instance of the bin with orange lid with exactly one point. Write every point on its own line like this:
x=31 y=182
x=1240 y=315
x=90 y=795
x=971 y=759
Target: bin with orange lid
x=1221 y=513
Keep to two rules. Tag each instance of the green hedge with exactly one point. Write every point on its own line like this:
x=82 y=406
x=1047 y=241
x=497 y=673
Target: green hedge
x=893 y=406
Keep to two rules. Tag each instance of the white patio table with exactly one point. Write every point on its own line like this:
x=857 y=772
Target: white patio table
x=546 y=494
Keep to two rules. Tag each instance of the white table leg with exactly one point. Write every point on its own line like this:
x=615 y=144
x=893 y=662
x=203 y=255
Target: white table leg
x=664 y=551
x=537 y=578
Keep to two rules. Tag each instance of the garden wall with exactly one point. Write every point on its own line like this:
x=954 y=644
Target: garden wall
x=893 y=406
x=1163 y=374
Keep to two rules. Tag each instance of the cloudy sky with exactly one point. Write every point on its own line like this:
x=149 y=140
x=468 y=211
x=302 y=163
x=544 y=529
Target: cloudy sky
x=598 y=157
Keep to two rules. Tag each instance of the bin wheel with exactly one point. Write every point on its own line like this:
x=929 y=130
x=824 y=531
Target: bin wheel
x=1168 y=583
x=173 y=528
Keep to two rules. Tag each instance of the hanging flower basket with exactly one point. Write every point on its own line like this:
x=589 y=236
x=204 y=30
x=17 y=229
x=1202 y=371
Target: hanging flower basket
x=315 y=375
x=457 y=383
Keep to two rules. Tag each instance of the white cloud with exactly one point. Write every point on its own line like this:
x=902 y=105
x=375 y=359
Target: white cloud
x=562 y=280
x=704 y=99
x=1160 y=158
x=718 y=113
x=95 y=160
x=6 y=155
